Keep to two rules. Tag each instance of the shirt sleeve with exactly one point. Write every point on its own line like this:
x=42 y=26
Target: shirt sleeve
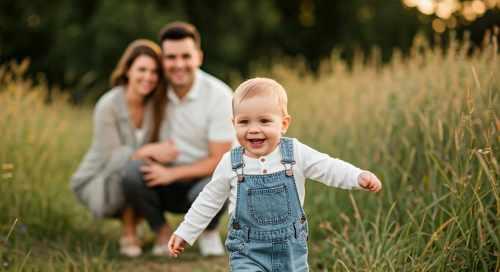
x=220 y=127
x=208 y=203
x=327 y=170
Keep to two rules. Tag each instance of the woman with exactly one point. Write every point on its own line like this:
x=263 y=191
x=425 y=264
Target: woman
x=125 y=118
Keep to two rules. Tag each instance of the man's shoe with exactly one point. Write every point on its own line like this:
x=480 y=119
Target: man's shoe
x=210 y=243
x=160 y=250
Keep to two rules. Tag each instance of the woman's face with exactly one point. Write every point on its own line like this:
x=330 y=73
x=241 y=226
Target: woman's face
x=142 y=75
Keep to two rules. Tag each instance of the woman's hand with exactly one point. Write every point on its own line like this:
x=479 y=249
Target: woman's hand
x=156 y=174
x=162 y=152
x=176 y=245
x=369 y=181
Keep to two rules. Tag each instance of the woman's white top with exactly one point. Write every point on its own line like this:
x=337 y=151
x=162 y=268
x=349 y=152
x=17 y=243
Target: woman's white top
x=139 y=134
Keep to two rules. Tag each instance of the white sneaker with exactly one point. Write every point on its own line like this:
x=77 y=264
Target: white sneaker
x=160 y=251
x=210 y=244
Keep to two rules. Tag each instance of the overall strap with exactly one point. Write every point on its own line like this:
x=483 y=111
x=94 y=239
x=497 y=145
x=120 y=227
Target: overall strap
x=286 y=150
x=237 y=161
x=237 y=165
x=286 y=147
x=237 y=157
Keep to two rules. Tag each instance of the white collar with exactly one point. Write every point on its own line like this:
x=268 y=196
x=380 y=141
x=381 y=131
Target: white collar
x=275 y=153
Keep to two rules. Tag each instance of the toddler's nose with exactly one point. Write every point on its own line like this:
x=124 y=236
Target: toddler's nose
x=253 y=129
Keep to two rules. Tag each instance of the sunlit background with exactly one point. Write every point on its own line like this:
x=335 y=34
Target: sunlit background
x=450 y=13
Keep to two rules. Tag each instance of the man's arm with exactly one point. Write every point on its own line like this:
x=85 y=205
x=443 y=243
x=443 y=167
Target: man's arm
x=204 y=167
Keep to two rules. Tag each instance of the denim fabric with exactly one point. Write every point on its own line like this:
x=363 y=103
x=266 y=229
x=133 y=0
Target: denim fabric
x=268 y=230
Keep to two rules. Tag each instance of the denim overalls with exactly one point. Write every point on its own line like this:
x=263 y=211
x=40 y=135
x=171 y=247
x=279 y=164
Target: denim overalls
x=268 y=230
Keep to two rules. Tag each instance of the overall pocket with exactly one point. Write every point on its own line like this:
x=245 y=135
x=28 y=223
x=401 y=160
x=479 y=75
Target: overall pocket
x=269 y=206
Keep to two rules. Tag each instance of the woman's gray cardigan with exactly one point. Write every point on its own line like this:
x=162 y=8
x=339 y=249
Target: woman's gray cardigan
x=97 y=182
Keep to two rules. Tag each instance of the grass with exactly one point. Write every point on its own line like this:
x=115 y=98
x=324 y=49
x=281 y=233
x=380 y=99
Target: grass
x=426 y=124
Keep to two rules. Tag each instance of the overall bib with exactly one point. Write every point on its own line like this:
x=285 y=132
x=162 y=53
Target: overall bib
x=268 y=230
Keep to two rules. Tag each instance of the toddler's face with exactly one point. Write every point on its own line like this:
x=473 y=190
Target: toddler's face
x=259 y=124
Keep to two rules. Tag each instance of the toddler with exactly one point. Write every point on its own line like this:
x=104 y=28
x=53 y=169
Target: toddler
x=264 y=179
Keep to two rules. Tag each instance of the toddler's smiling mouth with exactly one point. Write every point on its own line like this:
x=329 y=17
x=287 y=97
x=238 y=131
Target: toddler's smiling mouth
x=256 y=141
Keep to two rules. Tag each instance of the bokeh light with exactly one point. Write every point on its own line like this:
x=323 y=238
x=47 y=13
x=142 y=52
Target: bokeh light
x=438 y=25
x=448 y=12
x=426 y=6
x=410 y=3
x=444 y=9
x=478 y=7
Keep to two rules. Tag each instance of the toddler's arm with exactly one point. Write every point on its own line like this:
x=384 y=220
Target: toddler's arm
x=333 y=172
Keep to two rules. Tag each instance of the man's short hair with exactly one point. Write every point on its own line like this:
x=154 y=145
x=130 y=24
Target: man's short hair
x=180 y=30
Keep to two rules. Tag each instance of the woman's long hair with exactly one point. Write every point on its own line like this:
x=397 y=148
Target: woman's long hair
x=159 y=94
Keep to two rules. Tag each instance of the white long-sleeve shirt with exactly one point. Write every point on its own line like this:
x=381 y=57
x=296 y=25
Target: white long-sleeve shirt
x=310 y=164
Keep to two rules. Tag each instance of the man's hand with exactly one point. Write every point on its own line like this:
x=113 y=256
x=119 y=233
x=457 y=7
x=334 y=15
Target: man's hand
x=369 y=181
x=156 y=174
x=162 y=152
x=176 y=245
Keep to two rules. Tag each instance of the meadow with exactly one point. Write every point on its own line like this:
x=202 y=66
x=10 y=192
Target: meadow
x=426 y=123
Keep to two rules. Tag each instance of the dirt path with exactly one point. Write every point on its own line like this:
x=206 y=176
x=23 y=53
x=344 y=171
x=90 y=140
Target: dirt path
x=189 y=262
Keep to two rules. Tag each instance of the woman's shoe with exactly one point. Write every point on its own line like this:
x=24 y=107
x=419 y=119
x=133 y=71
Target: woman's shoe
x=129 y=247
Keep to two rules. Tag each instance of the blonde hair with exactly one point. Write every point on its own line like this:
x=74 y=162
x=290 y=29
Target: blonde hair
x=261 y=86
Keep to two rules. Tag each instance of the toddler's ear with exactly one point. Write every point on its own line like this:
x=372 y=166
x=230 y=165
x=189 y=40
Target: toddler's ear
x=285 y=123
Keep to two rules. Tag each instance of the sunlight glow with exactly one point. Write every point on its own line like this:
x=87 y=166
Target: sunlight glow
x=413 y=3
x=448 y=12
x=478 y=7
x=438 y=25
x=426 y=6
x=446 y=8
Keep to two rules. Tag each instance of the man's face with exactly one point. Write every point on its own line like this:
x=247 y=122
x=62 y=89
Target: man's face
x=181 y=59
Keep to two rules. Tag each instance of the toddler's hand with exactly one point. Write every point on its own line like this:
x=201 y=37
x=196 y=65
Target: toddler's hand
x=176 y=245
x=369 y=181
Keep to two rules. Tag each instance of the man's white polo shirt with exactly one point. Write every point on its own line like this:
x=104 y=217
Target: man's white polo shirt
x=202 y=116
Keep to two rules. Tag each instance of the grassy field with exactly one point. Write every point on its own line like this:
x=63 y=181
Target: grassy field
x=426 y=124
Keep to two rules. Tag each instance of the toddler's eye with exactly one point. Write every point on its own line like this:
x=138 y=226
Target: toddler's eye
x=243 y=122
x=265 y=121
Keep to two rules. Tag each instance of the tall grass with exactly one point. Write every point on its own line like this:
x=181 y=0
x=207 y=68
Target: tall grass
x=426 y=124
x=41 y=145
